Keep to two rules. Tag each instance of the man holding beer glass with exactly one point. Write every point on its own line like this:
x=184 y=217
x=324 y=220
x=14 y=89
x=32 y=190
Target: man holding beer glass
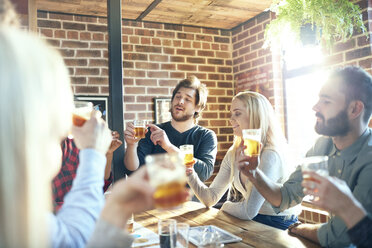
x=188 y=101
x=343 y=113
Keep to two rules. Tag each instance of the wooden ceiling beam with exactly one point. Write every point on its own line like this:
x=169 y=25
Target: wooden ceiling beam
x=148 y=10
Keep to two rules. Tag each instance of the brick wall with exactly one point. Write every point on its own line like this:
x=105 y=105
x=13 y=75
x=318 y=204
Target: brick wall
x=155 y=58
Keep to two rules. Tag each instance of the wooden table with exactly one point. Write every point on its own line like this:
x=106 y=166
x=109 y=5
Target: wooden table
x=254 y=234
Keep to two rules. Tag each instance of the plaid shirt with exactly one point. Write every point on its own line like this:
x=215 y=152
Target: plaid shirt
x=62 y=183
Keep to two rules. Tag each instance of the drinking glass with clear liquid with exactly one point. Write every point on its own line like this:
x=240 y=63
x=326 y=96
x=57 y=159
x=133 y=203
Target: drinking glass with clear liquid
x=252 y=140
x=187 y=152
x=139 y=128
x=318 y=164
x=167 y=175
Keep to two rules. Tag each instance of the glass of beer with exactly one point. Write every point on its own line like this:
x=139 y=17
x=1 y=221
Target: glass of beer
x=187 y=152
x=140 y=128
x=318 y=164
x=167 y=175
x=252 y=139
x=81 y=112
x=167 y=230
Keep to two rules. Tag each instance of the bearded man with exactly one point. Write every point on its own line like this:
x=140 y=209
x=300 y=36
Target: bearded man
x=189 y=98
x=343 y=112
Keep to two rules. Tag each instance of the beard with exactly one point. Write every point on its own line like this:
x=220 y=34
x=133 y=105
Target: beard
x=336 y=126
x=181 y=118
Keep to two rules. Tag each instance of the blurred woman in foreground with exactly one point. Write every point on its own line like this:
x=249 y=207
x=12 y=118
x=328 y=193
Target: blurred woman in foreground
x=36 y=106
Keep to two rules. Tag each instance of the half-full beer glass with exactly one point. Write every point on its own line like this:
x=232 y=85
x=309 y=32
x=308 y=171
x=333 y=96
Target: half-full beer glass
x=318 y=164
x=140 y=128
x=167 y=175
x=81 y=113
x=252 y=139
x=187 y=152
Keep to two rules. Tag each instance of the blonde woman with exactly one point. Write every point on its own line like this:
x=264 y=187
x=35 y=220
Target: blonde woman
x=249 y=110
x=36 y=110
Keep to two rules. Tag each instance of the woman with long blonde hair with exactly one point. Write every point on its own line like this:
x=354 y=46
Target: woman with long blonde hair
x=249 y=110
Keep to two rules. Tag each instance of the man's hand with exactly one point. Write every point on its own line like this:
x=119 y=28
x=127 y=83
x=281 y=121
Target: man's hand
x=159 y=137
x=93 y=134
x=130 y=134
x=115 y=143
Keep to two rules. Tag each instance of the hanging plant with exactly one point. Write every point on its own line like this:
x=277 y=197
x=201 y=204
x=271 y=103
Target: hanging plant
x=332 y=20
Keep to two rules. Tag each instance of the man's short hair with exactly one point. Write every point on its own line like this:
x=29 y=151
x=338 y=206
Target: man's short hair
x=201 y=92
x=357 y=86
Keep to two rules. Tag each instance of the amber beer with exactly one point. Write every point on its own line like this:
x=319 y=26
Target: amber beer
x=139 y=129
x=167 y=175
x=187 y=152
x=252 y=138
x=81 y=112
x=169 y=195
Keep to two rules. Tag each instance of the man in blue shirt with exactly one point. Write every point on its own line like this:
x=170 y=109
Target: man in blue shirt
x=188 y=101
x=343 y=112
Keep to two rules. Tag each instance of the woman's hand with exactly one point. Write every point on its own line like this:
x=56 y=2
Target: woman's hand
x=246 y=164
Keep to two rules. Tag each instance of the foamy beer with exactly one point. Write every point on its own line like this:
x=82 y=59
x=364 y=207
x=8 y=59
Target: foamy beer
x=81 y=113
x=252 y=139
x=318 y=164
x=187 y=152
x=140 y=129
x=167 y=175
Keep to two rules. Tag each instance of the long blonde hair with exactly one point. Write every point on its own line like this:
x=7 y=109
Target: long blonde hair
x=261 y=116
x=35 y=107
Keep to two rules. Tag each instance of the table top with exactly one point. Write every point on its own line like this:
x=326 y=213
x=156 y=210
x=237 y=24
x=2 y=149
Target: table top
x=254 y=234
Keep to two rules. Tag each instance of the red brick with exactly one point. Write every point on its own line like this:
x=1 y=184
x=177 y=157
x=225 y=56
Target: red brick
x=88 y=53
x=173 y=27
x=127 y=98
x=192 y=29
x=145 y=41
x=244 y=50
x=186 y=44
x=129 y=116
x=134 y=73
x=67 y=52
x=135 y=56
x=358 y=53
x=225 y=85
x=177 y=59
x=102 y=45
x=210 y=31
x=206 y=53
x=157 y=74
x=156 y=41
x=238 y=45
x=255 y=30
x=147 y=99
x=215 y=61
x=73 y=26
x=226 y=55
x=127 y=48
x=367 y=63
x=195 y=60
x=86 y=89
x=221 y=39
x=47 y=32
x=98 y=37
x=207 y=68
x=249 y=24
x=98 y=62
x=147 y=65
x=168 y=83
x=206 y=46
x=210 y=115
x=207 y=38
x=250 y=40
x=85 y=36
x=127 y=64
x=126 y=30
x=148 y=49
x=61 y=34
x=135 y=107
x=250 y=56
x=185 y=36
x=215 y=46
x=146 y=82
x=152 y=25
x=196 y=44
x=134 y=40
x=165 y=34
x=78 y=80
x=158 y=58
x=134 y=90
x=98 y=80
x=216 y=77
x=184 y=67
x=201 y=76
x=87 y=71
x=48 y=24
x=222 y=123
x=224 y=69
x=90 y=19
x=74 y=44
x=343 y=46
x=60 y=16
x=177 y=43
x=55 y=43
x=166 y=42
x=76 y=62
x=157 y=91
x=186 y=52
x=144 y=32
x=257 y=45
x=168 y=67
x=257 y=62
x=72 y=35
x=128 y=81
x=177 y=75
x=363 y=41
x=97 y=28
x=168 y=50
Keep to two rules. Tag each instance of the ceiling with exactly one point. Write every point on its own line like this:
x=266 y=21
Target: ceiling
x=224 y=14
